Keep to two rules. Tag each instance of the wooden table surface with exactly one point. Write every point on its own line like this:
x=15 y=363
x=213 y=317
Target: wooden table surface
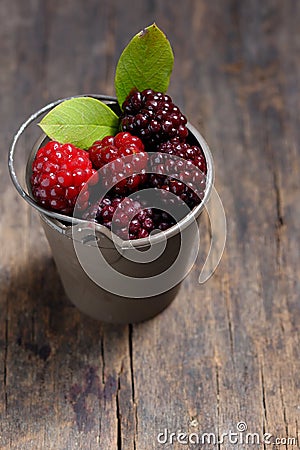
x=222 y=353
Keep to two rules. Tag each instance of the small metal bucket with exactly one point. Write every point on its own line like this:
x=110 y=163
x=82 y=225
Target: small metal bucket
x=109 y=298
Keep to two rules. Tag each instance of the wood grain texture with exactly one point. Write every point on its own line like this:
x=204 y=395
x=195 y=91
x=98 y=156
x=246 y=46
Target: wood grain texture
x=223 y=352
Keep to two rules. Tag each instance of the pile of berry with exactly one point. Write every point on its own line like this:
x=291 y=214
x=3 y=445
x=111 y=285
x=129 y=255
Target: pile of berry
x=124 y=210
x=152 y=151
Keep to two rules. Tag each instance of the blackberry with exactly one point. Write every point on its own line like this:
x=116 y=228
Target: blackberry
x=184 y=177
x=180 y=189
x=185 y=151
x=153 y=117
x=162 y=219
x=121 y=210
x=113 y=149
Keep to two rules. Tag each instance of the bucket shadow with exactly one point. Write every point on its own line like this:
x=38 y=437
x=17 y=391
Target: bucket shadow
x=38 y=290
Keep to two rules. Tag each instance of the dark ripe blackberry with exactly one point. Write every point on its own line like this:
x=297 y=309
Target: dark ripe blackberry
x=184 y=177
x=115 y=213
x=121 y=209
x=185 y=151
x=153 y=117
x=162 y=220
x=180 y=177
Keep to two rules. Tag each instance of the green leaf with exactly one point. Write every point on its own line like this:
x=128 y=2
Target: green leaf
x=80 y=121
x=146 y=63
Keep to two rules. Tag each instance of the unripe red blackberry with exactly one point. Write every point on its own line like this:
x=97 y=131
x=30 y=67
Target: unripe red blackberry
x=153 y=117
x=60 y=173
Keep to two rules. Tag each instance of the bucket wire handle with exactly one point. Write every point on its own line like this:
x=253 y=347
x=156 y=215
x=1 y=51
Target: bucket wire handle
x=218 y=230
